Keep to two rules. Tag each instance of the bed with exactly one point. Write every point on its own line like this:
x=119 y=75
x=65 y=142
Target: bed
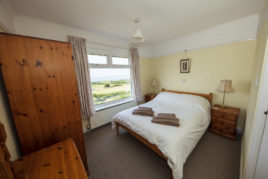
x=173 y=144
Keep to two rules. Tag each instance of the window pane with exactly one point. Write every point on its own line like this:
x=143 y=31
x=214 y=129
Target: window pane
x=110 y=84
x=119 y=61
x=97 y=59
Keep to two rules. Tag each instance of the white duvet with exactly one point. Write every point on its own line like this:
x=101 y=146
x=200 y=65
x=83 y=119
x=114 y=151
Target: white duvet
x=176 y=143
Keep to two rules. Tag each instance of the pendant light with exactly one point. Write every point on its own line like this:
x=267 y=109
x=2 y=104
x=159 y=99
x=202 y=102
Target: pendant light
x=137 y=36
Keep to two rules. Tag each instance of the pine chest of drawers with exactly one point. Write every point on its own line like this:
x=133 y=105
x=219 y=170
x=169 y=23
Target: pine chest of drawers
x=149 y=97
x=224 y=120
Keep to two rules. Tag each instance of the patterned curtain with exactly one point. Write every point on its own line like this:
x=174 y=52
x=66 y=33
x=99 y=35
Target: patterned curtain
x=135 y=71
x=82 y=76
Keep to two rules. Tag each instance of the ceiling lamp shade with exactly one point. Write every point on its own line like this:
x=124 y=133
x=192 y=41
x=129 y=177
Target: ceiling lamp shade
x=138 y=37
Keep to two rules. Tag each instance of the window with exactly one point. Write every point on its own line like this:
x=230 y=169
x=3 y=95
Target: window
x=119 y=61
x=97 y=59
x=110 y=79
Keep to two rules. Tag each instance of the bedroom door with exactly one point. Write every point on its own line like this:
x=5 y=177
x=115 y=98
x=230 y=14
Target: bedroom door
x=262 y=162
x=261 y=171
x=257 y=155
x=40 y=82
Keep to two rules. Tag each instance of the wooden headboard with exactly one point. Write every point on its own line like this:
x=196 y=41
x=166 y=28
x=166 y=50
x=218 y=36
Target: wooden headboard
x=209 y=96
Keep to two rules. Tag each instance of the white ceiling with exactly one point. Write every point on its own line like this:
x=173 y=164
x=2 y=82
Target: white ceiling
x=161 y=20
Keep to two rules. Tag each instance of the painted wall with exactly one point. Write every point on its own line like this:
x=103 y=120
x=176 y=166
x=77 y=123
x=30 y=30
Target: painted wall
x=247 y=146
x=208 y=66
x=105 y=116
x=145 y=76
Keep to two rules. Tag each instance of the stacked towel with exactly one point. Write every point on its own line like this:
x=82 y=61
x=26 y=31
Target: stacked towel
x=144 y=111
x=167 y=119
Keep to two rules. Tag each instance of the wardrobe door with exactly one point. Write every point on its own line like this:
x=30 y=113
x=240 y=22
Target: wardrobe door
x=40 y=82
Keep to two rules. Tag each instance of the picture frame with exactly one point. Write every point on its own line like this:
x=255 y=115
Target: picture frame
x=185 y=65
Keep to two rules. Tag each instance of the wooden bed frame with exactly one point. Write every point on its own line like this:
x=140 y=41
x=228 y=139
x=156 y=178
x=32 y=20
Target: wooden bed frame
x=145 y=141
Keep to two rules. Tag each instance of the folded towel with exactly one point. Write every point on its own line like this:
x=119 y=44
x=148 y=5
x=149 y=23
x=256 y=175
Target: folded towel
x=166 y=116
x=142 y=112
x=167 y=122
x=145 y=108
x=167 y=119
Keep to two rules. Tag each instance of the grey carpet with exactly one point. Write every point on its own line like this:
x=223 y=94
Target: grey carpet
x=123 y=157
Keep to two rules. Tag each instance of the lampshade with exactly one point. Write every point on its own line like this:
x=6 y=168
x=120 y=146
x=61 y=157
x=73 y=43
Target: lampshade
x=154 y=82
x=138 y=37
x=225 y=86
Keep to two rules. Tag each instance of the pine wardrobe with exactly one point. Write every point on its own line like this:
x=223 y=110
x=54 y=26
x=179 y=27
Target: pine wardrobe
x=40 y=82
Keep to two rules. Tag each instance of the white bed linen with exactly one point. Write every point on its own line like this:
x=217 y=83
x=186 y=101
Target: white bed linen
x=176 y=143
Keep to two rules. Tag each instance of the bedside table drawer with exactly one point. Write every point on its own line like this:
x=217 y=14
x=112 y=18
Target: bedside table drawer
x=223 y=125
x=222 y=122
x=226 y=130
x=227 y=116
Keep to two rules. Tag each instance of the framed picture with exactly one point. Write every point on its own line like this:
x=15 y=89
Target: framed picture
x=185 y=65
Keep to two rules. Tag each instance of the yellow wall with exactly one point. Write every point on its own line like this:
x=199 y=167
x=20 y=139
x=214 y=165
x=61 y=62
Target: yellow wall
x=253 y=97
x=208 y=66
x=145 y=76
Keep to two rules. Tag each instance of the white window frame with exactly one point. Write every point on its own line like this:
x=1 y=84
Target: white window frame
x=112 y=53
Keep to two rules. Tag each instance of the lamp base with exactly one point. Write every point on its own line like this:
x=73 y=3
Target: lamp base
x=223 y=106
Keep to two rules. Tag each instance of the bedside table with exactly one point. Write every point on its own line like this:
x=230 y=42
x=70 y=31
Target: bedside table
x=149 y=97
x=224 y=120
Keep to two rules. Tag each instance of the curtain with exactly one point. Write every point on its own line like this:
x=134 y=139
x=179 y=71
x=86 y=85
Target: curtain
x=82 y=76
x=135 y=72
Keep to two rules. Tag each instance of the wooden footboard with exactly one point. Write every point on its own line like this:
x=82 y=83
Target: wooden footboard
x=143 y=140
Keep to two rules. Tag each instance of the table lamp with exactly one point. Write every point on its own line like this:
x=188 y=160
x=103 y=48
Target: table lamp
x=154 y=84
x=225 y=87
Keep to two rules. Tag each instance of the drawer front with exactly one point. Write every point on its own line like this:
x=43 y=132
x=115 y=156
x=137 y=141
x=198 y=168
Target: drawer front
x=149 y=98
x=224 y=130
x=227 y=116
x=222 y=122
x=223 y=125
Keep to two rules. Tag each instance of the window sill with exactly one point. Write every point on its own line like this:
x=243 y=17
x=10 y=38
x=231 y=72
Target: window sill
x=116 y=103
